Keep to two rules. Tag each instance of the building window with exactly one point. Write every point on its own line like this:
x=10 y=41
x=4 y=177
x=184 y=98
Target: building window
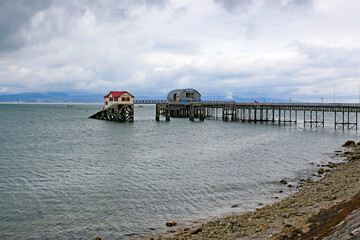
x=106 y=103
x=125 y=99
x=111 y=99
x=115 y=99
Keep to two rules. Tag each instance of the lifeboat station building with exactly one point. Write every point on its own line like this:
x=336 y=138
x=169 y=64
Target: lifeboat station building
x=184 y=95
x=123 y=98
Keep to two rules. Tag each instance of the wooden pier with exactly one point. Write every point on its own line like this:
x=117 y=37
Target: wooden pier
x=345 y=115
x=163 y=109
x=116 y=112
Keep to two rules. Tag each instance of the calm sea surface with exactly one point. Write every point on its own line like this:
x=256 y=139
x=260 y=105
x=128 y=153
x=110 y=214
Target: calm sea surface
x=63 y=175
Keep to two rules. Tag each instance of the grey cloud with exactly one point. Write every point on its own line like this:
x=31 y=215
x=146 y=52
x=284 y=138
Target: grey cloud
x=312 y=75
x=244 y=5
x=231 y=5
x=14 y=16
x=301 y=3
x=177 y=46
x=148 y=46
x=151 y=3
x=110 y=9
x=329 y=56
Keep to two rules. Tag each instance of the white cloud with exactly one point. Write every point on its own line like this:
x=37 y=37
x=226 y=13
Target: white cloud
x=150 y=47
x=4 y=89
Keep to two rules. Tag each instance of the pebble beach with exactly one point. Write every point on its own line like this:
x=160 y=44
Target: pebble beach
x=326 y=208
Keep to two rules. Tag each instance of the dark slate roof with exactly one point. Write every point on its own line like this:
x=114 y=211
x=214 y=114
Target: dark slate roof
x=177 y=92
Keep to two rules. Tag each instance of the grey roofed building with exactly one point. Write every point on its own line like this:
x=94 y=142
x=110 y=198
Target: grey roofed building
x=186 y=94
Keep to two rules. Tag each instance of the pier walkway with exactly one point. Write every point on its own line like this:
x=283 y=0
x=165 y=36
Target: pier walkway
x=166 y=101
x=345 y=114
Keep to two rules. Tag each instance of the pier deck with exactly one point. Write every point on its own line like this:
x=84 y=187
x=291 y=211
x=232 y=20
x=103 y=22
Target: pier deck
x=345 y=114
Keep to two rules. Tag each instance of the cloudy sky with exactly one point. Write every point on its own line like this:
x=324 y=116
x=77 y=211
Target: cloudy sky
x=303 y=49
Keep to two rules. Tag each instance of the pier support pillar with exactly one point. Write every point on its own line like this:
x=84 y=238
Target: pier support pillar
x=229 y=113
x=162 y=109
x=197 y=111
x=116 y=112
x=346 y=120
x=313 y=118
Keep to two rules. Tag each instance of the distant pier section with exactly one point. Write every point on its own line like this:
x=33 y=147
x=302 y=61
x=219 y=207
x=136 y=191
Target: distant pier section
x=149 y=101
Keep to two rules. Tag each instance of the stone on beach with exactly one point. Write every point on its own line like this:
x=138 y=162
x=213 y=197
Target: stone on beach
x=171 y=224
x=355 y=157
x=130 y=234
x=195 y=231
x=349 y=143
x=222 y=223
x=283 y=181
x=331 y=165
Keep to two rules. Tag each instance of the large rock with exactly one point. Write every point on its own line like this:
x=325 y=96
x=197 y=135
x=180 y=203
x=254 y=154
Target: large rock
x=355 y=157
x=196 y=231
x=283 y=181
x=222 y=223
x=321 y=171
x=171 y=224
x=349 y=143
x=331 y=165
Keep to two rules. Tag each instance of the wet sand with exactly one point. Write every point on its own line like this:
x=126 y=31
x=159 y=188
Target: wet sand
x=328 y=208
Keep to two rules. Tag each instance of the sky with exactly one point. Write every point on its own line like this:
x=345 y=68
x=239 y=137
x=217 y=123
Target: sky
x=300 y=49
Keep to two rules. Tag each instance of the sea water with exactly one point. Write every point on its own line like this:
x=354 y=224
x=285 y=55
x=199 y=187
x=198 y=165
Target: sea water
x=63 y=175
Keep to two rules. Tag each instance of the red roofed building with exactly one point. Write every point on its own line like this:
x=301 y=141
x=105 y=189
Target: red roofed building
x=122 y=97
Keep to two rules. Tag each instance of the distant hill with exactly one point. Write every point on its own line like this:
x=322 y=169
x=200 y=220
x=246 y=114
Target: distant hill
x=33 y=97
x=58 y=97
x=246 y=99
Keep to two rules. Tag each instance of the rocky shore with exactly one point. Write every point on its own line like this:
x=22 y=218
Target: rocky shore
x=328 y=208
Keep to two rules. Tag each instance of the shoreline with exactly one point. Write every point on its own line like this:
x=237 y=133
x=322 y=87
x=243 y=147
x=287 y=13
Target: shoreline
x=50 y=103
x=318 y=209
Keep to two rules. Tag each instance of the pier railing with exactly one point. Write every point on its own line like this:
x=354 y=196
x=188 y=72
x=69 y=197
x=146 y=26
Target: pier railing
x=356 y=105
x=149 y=101
x=175 y=102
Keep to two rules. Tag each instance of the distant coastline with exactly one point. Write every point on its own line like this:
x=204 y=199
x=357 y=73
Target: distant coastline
x=50 y=103
x=60 y=97
x=51 y=97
